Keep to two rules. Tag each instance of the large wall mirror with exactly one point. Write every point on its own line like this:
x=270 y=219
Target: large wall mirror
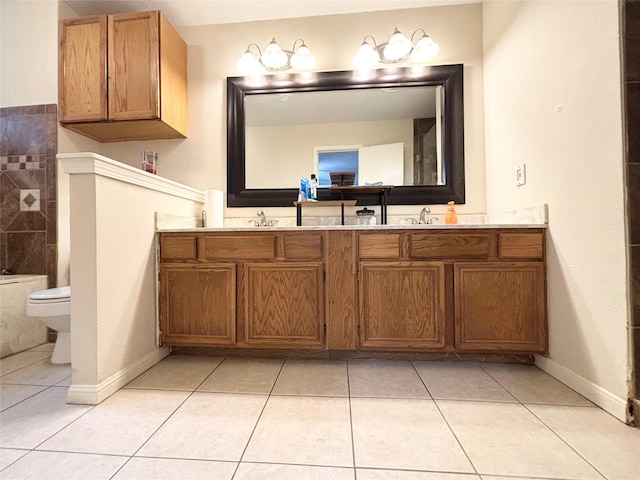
x=399 y=126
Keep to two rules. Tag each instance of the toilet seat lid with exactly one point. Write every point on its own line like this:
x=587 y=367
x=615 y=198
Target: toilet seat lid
x=60 y=293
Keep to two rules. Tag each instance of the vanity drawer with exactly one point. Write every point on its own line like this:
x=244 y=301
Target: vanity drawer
x=379 y=246
x=520 y=245
x=178 y=248
x=298 y=247
x=240 y=247
x=433 y=245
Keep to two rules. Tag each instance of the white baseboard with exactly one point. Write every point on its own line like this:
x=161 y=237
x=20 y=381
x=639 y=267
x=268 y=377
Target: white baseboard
x=94 y=394
x=606 y=400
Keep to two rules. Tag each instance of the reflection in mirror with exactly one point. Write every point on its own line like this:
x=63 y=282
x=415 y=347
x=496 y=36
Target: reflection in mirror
x=405 y=125
x=390 y=135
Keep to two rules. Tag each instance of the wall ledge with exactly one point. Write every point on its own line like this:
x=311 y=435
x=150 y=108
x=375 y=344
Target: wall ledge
x=92 y=163
x=94 y=394
x=603 y=398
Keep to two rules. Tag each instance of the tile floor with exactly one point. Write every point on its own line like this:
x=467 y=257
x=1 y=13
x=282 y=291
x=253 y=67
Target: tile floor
x=212 y=418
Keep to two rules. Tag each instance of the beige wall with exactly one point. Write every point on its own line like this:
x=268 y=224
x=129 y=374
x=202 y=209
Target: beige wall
x=552 y=90
x=200 y=160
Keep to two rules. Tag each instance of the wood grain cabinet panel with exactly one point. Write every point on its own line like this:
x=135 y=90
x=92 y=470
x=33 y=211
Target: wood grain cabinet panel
x=240 y=247
x=402 y=305
x=123 y=77
x=178 y=248
x=379 y=245
x=284 y=304
x=500 y=306
x=303 y=247
x=82 y=78
x=433 y=245
x=198 y=304
x=521 y=245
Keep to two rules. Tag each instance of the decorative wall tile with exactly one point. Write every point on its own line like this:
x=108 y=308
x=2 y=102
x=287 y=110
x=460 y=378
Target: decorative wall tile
x=28 y=197
x=30 y=200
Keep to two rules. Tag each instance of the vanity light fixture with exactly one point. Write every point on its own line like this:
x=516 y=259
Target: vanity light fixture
x=397 y=50
x=275 y=59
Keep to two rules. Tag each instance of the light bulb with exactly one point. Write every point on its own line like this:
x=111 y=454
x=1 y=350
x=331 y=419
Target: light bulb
x=425 y=50
x=248 y=64
x=398 y=47
x=303 y=59
x=274 y=57
x=366 y=56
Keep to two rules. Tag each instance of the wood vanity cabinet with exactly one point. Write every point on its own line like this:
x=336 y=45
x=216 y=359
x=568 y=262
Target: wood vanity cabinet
x=480 y=290
x=269 y=289
x=123 y=77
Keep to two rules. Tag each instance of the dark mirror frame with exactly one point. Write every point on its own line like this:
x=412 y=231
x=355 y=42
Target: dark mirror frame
x=450 y=77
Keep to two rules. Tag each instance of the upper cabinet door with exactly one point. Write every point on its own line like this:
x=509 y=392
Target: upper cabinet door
x=134 y=66
x=82 y=81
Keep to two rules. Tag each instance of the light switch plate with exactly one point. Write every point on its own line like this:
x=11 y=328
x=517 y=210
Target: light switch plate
x=521 y=175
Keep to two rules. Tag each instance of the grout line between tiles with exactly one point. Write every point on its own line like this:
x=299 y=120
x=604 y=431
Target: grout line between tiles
x=446 y=421
x=565 y=441
x=353 y=440
x=244 y=450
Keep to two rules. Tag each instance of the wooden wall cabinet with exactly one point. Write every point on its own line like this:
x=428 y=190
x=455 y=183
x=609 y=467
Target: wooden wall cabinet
x=123 y=77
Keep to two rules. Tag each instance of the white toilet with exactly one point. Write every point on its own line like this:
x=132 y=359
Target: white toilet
x=53 y=307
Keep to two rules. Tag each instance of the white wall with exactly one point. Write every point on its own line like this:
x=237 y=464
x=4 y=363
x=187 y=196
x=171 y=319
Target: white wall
x=553 y=95
x=200 y=160
x=29 y=53
x=113 y=310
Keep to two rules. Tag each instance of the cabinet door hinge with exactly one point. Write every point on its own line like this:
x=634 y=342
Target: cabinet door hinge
x=325 y=329
x=324 y=276
x=358 y=330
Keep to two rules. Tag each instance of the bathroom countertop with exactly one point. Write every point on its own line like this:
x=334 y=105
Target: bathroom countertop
x=360 y=227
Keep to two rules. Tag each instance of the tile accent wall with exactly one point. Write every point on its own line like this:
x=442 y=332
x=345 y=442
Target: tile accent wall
x=631 y=53
x=28 y=197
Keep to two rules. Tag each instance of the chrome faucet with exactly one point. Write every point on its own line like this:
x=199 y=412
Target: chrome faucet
x=263 y=220
x=423 y=216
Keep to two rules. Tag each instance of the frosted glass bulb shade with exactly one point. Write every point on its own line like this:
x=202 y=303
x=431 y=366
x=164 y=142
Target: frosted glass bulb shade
x=398 y=47
x=303 y=59
x=274 y=57
x=425 y=50
x=366 y=56
x=248 y=64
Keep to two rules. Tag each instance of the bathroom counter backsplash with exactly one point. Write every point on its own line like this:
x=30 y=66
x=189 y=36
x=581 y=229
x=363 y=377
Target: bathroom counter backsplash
x=531 y=217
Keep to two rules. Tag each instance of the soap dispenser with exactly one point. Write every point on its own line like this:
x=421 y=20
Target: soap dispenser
x=451 y=217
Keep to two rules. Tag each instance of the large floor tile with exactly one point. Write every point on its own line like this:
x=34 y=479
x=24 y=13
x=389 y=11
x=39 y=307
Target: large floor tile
x=243 y=375
x=12 y=394
x=497 y=477
x=21 y=360
x=64 y=466
x=303 y=430
x=171 y=468
x=177 y=372
x=34 y=420
x=385 y=378
x=208 y=426
x=119 y=425
x=529 y=384
x=507 y=439
x=608 y=444
x=45 y=347
x=461 y=381
x=405 y=434
x=10 y=455
x=313 y=377
x=271 y=471
x=42 y=372
x=374 y=474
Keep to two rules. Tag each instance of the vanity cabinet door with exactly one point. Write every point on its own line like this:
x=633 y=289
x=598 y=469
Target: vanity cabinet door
x=283 y=304
x=402 y=305
x=198 y=304
x=500 y=306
